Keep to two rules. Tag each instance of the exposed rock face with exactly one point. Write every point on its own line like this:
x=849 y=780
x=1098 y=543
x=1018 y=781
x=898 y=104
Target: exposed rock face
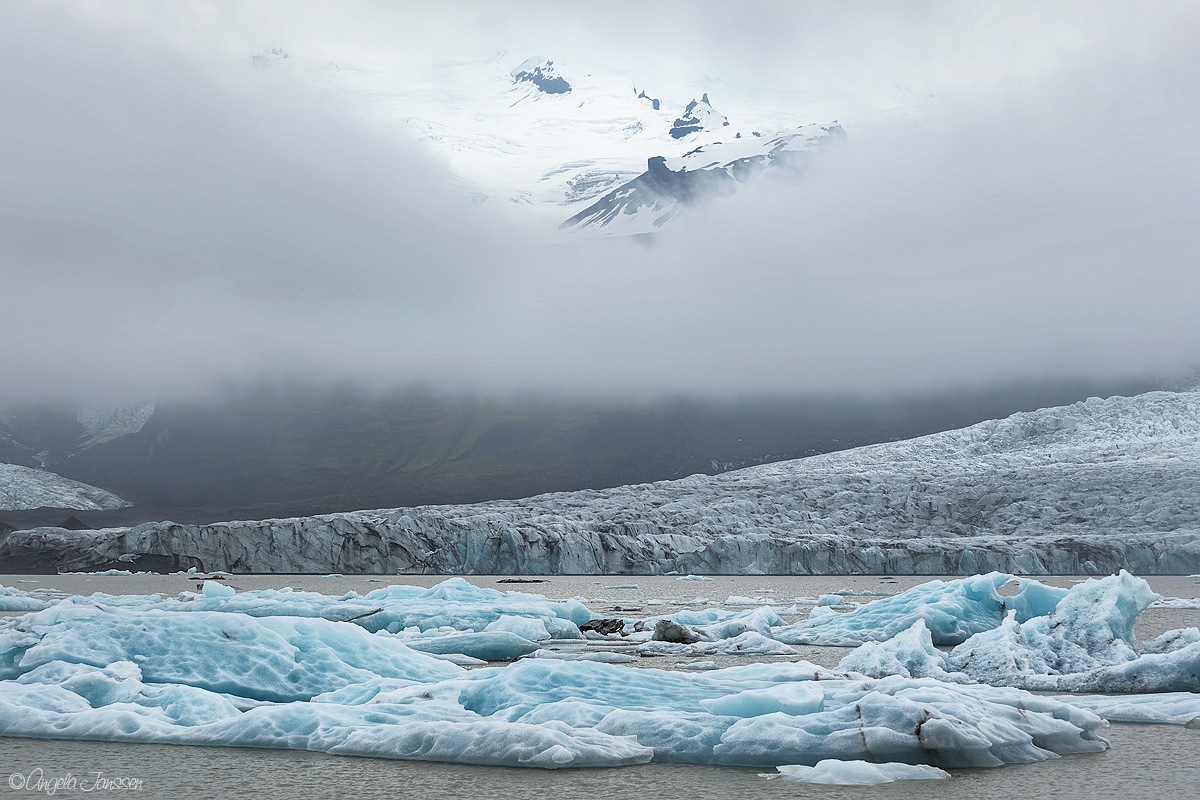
x=1082 y=489
x=702 y=174
x=698 y=115
x=541 y=74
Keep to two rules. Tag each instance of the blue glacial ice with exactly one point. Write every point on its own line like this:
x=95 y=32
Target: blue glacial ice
x=951 y=610
x=485 y=645
x=1171 y=708
x=16 y=600
x=145 y=672
x=453 y=603
x=276 y=659
x=1084 y=643
x=857 y=773
x=909 y=654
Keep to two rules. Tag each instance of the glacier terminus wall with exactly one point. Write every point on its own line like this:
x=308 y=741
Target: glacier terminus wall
x=1088 y=488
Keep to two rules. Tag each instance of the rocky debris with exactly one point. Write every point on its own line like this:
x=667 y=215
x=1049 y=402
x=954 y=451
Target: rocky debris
x=666 y=630
x=604 y=627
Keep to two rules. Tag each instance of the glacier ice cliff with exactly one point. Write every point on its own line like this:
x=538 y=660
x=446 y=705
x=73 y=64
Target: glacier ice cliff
x=1089 y=488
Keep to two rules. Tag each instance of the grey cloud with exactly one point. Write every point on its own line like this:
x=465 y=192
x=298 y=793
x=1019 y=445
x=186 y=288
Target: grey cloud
x=168 y=221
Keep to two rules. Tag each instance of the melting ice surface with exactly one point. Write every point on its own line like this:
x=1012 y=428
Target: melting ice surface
x=1083 y=643
x=373 y=676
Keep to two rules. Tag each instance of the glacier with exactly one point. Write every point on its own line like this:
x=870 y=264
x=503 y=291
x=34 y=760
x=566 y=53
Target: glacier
x=1089 y=488
x=25 y=488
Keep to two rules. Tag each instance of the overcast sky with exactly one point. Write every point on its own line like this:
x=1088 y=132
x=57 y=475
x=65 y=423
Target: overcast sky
x=1018 y=200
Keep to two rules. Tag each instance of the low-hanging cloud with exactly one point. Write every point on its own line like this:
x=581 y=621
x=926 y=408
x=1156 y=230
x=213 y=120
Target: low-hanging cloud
x=167 y=222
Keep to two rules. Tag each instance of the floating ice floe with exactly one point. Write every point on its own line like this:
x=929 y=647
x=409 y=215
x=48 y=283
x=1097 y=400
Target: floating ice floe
x=17 y=600
x=1177 y=602
x=453 y=603
x=857 y=773
x=484 y=645
x=1085 y=643
x=749 y=643
x=1171 y=708
x=141 y=669
x=601 y=656
x=951 y=610
x=909 y=654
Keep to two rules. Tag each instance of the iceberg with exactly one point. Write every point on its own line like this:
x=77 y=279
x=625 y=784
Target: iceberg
x=1083 y=643
x=134 y=671
x=486 y=646
x=1171 y=708
x=17 y=600
x=857 y=773
x=749 y=643
x=454 y=603
x=910 y=654
x=951 y=611
x=276 y=659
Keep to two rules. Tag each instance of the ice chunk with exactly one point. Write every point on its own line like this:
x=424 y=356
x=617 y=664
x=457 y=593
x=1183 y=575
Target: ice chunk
x=268 y=658
x=693 y=578
x=910 y=654
x=858 y=773
x=738 y=600
x=16 y=600
x=1085 y=644
x=602 y=656
x=488 y=646
x=212 y=589
x=794 y=699
x=749 y=643
x=952 y=612
x=526 y=627
x=1171 y=641
x=1171 y=708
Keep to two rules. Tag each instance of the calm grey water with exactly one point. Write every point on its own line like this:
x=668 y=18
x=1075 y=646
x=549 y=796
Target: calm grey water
x=1145 y=761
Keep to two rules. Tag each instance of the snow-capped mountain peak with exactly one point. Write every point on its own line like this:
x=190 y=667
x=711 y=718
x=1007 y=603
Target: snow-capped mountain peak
x=541 y=74
x=560 y=137
x=703 y=173
x=698 y=116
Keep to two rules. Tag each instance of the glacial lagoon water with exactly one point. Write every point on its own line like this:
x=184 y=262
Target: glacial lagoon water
x=1151 y=761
